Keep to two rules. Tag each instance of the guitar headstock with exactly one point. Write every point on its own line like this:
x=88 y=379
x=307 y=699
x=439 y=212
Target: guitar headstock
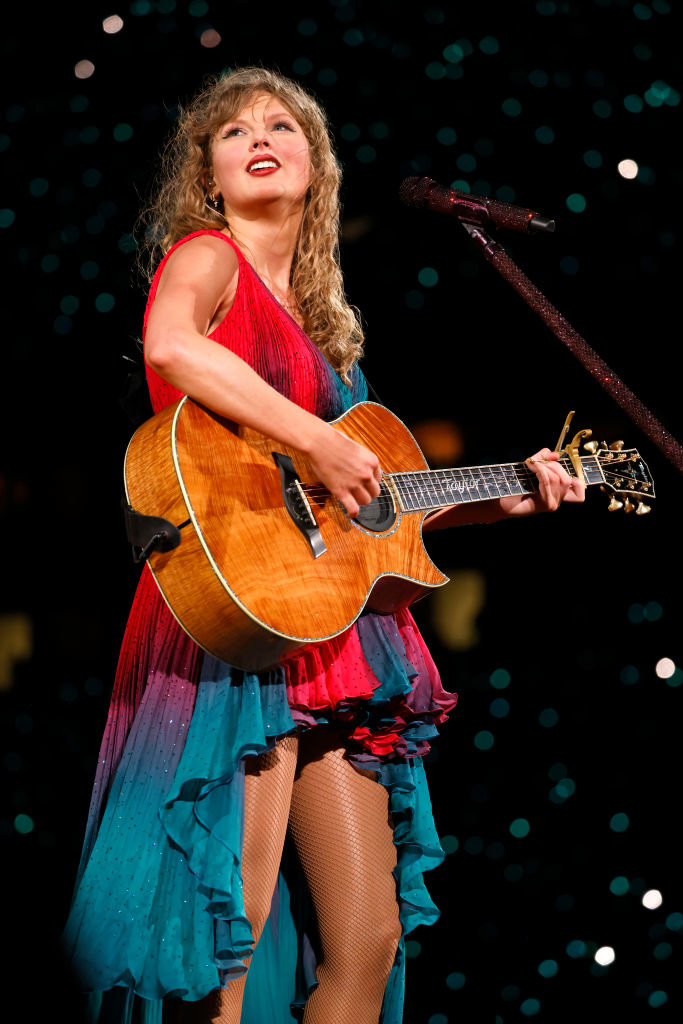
x=625 y=476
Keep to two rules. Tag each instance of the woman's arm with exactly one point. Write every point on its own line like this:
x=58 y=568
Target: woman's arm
x=197 y=285
x=555 y=485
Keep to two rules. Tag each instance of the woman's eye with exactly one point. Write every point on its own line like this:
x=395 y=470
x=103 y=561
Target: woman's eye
x=285 y=124
x=231 y=131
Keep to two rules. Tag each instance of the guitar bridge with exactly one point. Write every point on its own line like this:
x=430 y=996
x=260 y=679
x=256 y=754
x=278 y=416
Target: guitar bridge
x=297 y=504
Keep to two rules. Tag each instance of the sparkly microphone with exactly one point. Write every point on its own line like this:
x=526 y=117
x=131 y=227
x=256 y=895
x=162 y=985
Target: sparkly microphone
x=423 y=192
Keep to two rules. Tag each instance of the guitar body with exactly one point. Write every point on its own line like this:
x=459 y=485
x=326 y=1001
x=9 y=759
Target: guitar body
x=245 y=582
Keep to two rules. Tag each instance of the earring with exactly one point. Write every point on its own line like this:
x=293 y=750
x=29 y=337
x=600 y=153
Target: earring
x=211 y=197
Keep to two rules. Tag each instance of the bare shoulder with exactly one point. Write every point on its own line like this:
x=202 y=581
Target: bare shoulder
x=204 y=261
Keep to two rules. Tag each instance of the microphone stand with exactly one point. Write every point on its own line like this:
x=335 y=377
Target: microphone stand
x=536 y=300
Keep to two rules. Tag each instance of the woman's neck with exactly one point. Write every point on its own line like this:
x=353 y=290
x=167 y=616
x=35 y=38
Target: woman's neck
x=269 y=245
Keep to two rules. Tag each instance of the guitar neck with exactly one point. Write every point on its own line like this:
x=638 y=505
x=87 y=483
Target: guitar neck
x=421 y=490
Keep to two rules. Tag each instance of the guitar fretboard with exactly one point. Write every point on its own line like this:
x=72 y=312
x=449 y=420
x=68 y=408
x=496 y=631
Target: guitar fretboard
x=435 y=488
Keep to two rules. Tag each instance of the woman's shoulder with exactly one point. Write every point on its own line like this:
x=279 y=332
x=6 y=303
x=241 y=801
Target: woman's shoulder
x=209 y=244
x=198 y=254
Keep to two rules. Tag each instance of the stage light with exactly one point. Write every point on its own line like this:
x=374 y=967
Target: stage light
x=366 y=154
x=627 y=169
x=629 y=675
x=84 y=69
x=499 y=707
x=604 y=956
x=23 y=824
x=112 y=24
x=69 y=305
x=592 y=158
x=435 y=70
x=466 y=162
x=104 y=303
x=122 y=132
x=456 y=981
x=428 y=277
x=327 y=76
x=484 y=740
x=576 y=202
x=210 y=38
x=602 y=108
x=538 y=78
x=657 y=998
x=619 y=822
x=633 y=103
x=665 y=668
x=446 y=136
x=354 y=37
x=548 y=968
x=652 y=899
x=453 y=53
x=544 y=134
x=548 y=718
x=89 y=270
x=619 y=886
x=449 y=844
x=500 y=679
x=49 y=263
x=530 y=1007
x=519 y=828
x=511 y=106
x=489 y=44
x=302 y=66
x=307 y=27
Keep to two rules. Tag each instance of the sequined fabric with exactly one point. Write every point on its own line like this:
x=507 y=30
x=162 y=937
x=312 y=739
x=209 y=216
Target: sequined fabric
x=158 y=907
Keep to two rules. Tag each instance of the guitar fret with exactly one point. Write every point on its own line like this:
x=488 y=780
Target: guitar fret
x=421 y=490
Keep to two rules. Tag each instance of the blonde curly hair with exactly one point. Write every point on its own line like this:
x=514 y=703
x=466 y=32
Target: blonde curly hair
x=179 y=204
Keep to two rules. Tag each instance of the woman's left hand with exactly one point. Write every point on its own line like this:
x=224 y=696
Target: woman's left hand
x=555 y=485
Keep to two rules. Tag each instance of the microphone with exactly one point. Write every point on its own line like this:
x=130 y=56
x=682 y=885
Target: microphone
x=423 y=192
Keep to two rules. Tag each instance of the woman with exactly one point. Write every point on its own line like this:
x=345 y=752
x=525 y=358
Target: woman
x=185 y=897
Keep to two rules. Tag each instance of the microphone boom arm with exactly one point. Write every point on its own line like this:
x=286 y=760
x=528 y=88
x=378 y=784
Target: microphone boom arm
x=536 y=300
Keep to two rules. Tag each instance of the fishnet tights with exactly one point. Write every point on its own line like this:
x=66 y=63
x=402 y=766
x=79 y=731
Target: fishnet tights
x=339 y=821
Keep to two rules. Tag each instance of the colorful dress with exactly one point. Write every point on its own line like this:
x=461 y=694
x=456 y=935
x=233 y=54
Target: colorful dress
x=158 y=910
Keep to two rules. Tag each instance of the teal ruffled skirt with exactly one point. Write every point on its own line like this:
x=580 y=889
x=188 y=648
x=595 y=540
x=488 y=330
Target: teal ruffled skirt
x=158 y=907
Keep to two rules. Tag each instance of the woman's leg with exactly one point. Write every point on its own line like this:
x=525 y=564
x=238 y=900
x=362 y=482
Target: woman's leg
x=340 y=823
x=267 y=793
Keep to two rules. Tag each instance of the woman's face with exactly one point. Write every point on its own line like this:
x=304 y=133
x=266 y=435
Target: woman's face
x=260 y=157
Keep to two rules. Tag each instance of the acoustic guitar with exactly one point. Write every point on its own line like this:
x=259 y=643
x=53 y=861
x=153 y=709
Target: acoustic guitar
x=259 y=559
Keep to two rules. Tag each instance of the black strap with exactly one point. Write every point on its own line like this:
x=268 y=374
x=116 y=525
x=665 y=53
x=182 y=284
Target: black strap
x=148 y=533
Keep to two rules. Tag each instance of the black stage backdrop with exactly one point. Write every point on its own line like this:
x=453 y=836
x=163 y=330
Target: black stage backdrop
x=556 y=783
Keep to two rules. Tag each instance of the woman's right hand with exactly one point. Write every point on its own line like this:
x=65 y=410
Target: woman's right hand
x=349 y=471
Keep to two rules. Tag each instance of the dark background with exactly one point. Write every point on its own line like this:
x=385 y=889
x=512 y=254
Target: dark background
x=578 y=607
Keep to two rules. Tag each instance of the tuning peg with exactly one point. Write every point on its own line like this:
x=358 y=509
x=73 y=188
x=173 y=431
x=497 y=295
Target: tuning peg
x=645 y=486
x=618 y=481
x=642 y=509
x=628 y=505
x=614 y=504
x=616 y=446
x=591 y=446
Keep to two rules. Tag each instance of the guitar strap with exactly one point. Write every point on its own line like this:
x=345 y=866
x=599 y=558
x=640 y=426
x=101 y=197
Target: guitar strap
x=148 y=533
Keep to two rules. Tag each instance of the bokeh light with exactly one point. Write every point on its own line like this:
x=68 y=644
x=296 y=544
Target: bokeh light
x=628 y=169
x=604 y=955
x=112 y=24
x=652 y=899
x=84 y=69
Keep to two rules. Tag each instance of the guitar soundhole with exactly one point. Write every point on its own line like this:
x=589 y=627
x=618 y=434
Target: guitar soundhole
x=379 y=515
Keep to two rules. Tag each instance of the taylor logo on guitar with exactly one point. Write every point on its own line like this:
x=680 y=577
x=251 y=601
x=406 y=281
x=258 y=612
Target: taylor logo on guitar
x=255 y=558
